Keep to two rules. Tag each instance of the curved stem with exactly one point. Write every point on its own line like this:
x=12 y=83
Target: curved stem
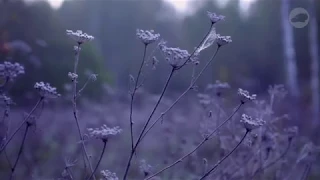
x=146 y=123
x=20 y=151
x=197 y=147
x=183 y=94
x=134 y=92
x=75 y=114
x=306 y=172
x=22 y=123
x=99 y=161
x=225 y=157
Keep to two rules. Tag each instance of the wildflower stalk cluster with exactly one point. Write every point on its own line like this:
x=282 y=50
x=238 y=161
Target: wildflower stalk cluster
x=9 y=72
x=178 y=58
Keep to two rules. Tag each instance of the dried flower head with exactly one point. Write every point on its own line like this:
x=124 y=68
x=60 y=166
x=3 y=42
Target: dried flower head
x=214 y=17
x=147 y=36
x=204 y=99
x=176 y=57
x=93 y=77
x=73 y=76
x=46 y=90
x=104 y=132
x=76 y=49
x=251 y=123
x=246 y=95
x=292 y=132
x=145 y=168
x=223 y=40
x=218 y=87
x=7 y=100
x=11 y=70
x=79 y=36
x=107 y=175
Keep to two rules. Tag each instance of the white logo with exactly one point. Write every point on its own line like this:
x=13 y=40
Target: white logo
x=299 y=17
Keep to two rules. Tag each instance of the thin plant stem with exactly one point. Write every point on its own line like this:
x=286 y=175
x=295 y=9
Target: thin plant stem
x=134 y=92
x=3 y=121
x=147 y=122
x=306 y=172
x=20 y=150
x=198 y=146
x=99 y=161
x=182 y=95
x=69 y=172
x=225 y=157
x=75 y=114
x=273 y=162
x=7 y=158
x=22 y=123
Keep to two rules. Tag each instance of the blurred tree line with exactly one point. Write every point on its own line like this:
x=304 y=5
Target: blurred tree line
x=253 y=61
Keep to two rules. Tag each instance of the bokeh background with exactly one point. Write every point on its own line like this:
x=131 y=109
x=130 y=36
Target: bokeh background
x=266 y=50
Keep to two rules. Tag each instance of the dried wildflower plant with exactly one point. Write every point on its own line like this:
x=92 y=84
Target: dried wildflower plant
x=214 y=18
x=45 y=90
x=108 y=175
x=147 y=36
x=104 y=132
x=10 y=70
x=251 y=123
x=246 y=96
x=176 y=57
x=223 y=40
x=79 y=36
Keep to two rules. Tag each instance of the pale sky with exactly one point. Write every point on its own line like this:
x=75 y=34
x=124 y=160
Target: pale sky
x=180 y=5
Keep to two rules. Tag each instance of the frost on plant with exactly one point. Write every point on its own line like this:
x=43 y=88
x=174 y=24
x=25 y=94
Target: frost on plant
x=147 y=36
x=46 y=90
x=208 y=41
x=250 y=123
x=214 y=17
x=246 y=95
x=104 y=132
x=223 y=40
x=11 y=70
x=176 y=57
x=79 y=36
x=107 y=175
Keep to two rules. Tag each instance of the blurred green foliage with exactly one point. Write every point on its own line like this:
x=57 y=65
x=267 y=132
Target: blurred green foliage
x=52 y=55
x=253 y=61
